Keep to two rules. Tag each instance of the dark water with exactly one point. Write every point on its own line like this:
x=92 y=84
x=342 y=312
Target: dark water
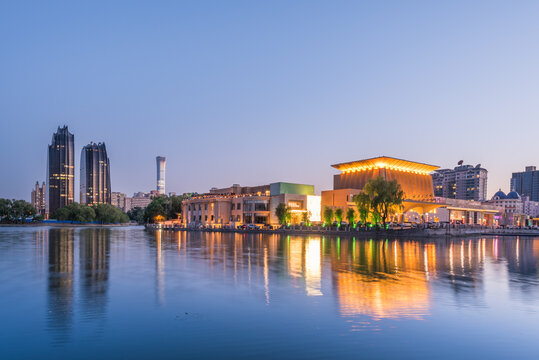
x=125 y=293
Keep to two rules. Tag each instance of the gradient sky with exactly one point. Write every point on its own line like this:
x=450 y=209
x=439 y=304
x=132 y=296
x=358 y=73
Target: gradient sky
x=254 y=92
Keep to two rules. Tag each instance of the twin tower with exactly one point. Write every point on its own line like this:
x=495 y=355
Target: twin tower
x=95 y=185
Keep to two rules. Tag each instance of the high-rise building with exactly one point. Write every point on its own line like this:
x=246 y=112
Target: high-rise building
x=464 y=182
x=39 y=198
x=94 y=175
x=526 y=183
x=60 y=170
x=161 y=163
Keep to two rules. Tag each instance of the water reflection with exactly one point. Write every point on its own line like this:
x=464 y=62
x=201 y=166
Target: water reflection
x=60 y=279
x=374 y=279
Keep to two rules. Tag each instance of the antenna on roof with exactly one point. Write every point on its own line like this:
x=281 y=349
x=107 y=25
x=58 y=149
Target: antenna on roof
x=461 y=162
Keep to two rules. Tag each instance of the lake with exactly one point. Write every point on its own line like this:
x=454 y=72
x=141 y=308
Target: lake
x=89 y=293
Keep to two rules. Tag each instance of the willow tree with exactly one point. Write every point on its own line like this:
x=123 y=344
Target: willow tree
x=386 y=197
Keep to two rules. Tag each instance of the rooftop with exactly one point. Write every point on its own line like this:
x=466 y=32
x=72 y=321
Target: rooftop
x=386 y=162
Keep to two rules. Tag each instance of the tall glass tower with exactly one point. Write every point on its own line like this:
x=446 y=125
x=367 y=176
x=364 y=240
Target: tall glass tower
x=94 y=175
x=161 y=163
x=60 y=170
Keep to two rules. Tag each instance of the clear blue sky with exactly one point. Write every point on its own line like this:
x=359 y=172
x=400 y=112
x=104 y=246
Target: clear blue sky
x=254 y=92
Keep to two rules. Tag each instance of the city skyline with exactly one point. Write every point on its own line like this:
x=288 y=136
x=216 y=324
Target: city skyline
x=257 y=93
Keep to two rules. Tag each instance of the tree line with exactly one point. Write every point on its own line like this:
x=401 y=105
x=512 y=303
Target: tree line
x=101 y=213
x=160 y=208
x=17 y=211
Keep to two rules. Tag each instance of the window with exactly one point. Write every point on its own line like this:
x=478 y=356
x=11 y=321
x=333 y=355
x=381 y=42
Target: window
x=239 y=218
x=212 y=218
x=239 y=206
x=199 y=218
x=205 y=206
x=206 y=218
x=232 y=206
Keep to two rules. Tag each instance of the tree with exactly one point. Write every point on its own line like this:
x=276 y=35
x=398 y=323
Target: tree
x=351 y=217
x=306 y=218
x=20 y=210
x=108 y=214
x=283 y=213
x=136 y=214
x=328 y=216
x=169 y=207
x=386 y=197
x=363 y=205
x=154 y=209
x=5 y=208
x=338 y=216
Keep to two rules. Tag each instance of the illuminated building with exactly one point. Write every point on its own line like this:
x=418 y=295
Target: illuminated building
x=526 y=183
x=417 y=184
x=94 y=175
x=464 y=182
x=60 y=170
x=413 y=177
x=161 y=164
x=511 y=207
x=239 y=205
x=38 y=198
x=117 y=199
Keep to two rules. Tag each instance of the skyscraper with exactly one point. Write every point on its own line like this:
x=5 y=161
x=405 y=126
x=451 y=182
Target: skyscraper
x=60 y=170
x=39 y=198
x=526 y=183
x=94 y=175
x=161 y=163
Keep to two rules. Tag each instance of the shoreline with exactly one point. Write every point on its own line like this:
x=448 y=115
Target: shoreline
x=68 y=225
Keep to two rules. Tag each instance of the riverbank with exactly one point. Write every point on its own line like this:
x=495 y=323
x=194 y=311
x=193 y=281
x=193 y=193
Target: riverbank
x=416 y=233
x=67 y=225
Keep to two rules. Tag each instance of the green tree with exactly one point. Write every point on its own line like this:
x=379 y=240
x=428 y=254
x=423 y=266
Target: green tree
x=386 y=197
x=351 y=217
x=328 y=216
x=283 y=213
x=155 y=208
x=136 y=214
x=338 y=216
x=306 y=218
x=108 y=214
x=21 y=209
x=363 y=205
x=5 y=208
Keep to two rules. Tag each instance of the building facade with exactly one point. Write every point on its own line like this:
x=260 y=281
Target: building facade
x=38 y=198
x=94 y=175
x=464 y=182
x=526 y=183
x=161 y=173
x=237 y=205
x=60 y=170
x=117 y=199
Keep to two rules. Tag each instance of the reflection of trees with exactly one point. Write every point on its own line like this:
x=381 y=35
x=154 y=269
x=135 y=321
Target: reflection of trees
x=60 y=280
x=94 y=249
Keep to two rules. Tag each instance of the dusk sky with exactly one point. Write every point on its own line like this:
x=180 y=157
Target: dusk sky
x=256 y=92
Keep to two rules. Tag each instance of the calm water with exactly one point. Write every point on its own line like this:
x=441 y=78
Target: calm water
x=126 y=293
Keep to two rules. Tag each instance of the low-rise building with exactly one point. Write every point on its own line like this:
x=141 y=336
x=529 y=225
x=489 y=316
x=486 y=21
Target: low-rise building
x=237 y=205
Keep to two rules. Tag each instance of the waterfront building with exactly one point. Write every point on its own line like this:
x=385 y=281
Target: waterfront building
x=464 y=182
x=38 y=198
x=511 y=207
x=526 y=183
x=94 y=175
x=237 y=205
x=161 y=164
x=60 y=170
x=415 y=179
x=137 y=201
x=530 y=208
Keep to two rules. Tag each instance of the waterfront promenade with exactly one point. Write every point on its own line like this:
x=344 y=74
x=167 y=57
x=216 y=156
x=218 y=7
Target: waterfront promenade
x=423 y=232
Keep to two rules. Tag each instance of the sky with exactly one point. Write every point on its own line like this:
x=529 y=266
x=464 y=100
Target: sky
x=254 y=92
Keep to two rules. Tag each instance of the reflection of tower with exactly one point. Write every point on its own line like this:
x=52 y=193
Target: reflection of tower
x=161 y=163
x=94 y=249
x=60 y=290
x=160 y=270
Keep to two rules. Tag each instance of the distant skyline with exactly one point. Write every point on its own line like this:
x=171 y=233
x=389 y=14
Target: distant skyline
x=254 y=93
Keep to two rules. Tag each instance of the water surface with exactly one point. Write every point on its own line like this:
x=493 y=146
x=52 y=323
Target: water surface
x=126 y=293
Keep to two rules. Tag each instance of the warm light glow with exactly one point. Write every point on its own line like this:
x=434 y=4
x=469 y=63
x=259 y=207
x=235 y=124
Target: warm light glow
x=314 y=207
